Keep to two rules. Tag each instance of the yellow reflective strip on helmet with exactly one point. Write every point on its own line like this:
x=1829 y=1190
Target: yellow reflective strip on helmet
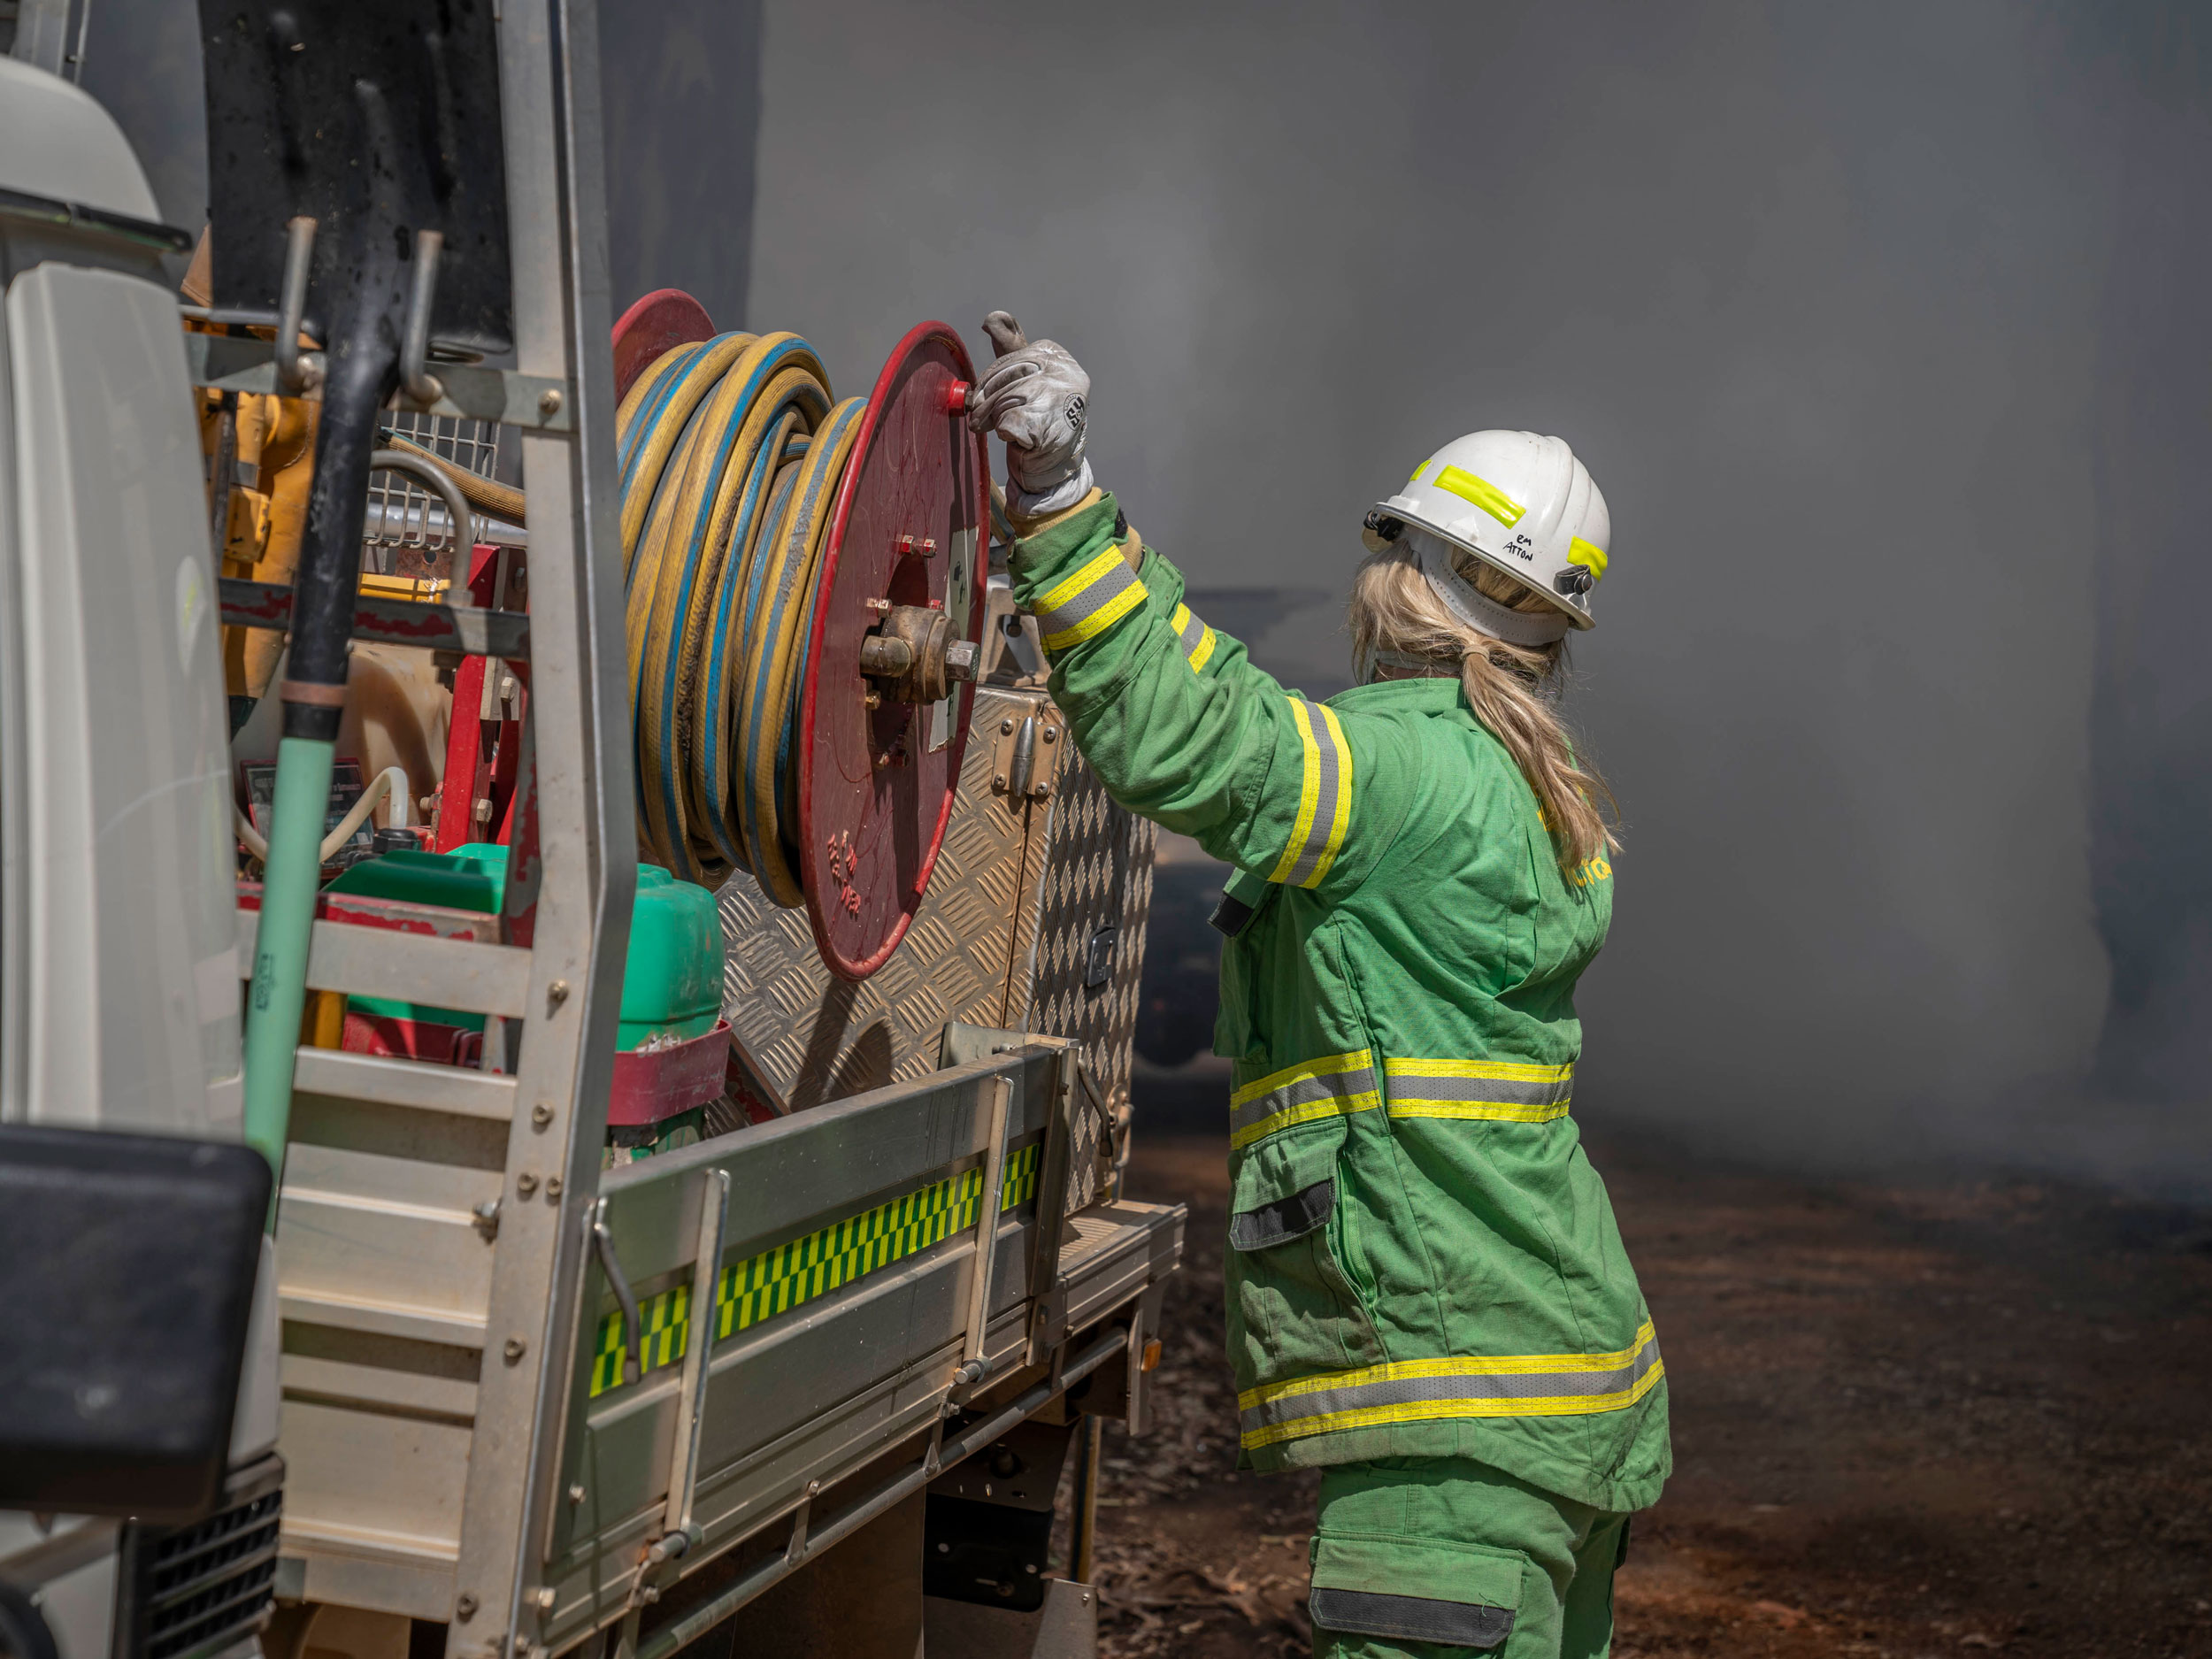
x=1482 y=493
x=1342 y=819
x=1419 y=470
x=1310 y=792
x=1589 y=554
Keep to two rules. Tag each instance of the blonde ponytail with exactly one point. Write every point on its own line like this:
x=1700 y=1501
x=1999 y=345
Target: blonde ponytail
x=1511 y=688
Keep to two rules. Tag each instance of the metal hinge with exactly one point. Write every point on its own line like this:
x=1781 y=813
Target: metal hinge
x=1025 y=754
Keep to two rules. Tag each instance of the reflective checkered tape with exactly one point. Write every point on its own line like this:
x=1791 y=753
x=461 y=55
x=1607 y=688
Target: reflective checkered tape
x=791 y=1275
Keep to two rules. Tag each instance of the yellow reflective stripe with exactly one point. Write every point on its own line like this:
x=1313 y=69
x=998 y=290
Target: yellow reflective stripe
x=1197 y=637
x=1309 y=795
x=1492 y=1366
x=1512 y=1071
x=1303 y=1111
x=1433 y=1410
x=1482 y=493
x=1410 y=1391
x=1485 y=1111
x=1419 y=470
x=1588 y=553
x=1492 y=1091
x=1081 y=613
x=1328 y=1065
x=1325 y=798
x=1343 y=820
x=1334 y=1085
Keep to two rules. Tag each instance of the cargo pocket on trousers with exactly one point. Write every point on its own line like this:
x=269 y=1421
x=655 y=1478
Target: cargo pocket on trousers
x=1415 y=1589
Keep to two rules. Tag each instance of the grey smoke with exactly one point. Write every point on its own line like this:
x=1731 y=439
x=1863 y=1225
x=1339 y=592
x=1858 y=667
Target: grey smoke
x=1879 y=325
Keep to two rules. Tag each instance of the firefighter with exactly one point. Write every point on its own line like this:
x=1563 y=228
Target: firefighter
x=1428 y=1299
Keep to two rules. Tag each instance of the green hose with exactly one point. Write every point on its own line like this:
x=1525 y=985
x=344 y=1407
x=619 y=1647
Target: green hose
x=280 y=953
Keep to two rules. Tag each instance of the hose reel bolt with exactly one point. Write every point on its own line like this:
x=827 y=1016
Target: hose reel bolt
x=914 y=653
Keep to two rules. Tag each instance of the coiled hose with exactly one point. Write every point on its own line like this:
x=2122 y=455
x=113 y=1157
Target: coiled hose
x=732 y=451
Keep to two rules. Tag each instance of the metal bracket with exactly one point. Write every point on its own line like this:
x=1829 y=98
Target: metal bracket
x=414 y=341
x=1025 y=754
x=602 y=1245
x=297 y=375
x=1047 y=1306
x=973 y=1366
x=470 y=391
x=680 y=1531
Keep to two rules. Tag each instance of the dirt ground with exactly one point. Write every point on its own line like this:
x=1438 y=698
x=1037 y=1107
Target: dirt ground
x=1908 y=1421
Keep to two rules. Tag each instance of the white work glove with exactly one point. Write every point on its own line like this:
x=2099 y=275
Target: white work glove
x=1037 y=398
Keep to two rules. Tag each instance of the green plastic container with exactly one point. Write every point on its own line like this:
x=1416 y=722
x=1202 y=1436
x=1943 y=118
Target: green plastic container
x=672 y=981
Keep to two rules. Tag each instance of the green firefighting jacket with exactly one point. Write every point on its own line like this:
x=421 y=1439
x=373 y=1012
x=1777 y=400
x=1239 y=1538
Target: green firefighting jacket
x=1422 y=1262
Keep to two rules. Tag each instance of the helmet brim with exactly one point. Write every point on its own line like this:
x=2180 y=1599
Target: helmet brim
x=1576 y=618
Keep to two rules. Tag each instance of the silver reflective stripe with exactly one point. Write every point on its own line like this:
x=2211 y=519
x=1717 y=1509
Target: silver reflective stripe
x=1325 y=805
x=1406 y=1391
x=1327 y=1087
x=1197 y=638
x=1503 y=1090
x=1090 y=602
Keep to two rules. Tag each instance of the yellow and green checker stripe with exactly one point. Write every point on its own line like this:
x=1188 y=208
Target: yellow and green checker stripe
x=793 y=1274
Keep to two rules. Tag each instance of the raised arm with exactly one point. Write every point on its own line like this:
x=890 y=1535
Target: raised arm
x=1182 y=727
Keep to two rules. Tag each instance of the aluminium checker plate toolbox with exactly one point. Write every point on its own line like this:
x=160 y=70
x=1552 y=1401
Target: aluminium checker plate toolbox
x=1034 y=921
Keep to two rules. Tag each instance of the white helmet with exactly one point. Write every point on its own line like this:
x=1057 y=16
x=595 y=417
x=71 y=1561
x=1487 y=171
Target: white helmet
x=1518 y=501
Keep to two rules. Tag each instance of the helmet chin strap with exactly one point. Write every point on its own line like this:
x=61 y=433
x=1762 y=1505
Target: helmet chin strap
x=1476 y=608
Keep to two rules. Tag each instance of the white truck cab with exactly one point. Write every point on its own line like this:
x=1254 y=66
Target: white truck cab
x=118 y=975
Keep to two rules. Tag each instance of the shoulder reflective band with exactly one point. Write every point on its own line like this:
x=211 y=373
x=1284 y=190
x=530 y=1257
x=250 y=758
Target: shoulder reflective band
x=1588 y=554
x=1422 y=1390
x=1325 y=801
x=1088 y=602
x=1198 y=639
x=1505 y=1091
x=776 y=1281
x=1481 y=493
x=1334 y=1085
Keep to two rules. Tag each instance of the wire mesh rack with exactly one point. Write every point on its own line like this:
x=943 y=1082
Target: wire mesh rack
x=405 y=530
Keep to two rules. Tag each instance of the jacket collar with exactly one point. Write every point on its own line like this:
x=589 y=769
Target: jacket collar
x=1439 y=696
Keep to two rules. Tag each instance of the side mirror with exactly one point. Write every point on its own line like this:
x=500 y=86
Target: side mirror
x=127 y=1266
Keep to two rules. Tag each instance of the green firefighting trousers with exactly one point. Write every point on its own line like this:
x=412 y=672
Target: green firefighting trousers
x=1423 y=1265
x=1424 y=1558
